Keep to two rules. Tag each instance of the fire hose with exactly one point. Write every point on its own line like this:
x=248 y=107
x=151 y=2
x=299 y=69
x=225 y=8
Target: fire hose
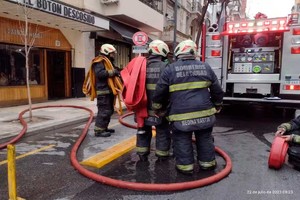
x=119 y=183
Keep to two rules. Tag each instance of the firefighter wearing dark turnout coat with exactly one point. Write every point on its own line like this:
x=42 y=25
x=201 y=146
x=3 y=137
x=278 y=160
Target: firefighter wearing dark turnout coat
x=158 y=51
x=195 y=96
x=291 y=132
x=105 y=97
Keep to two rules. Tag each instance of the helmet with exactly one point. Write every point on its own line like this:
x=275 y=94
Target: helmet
x=107 y=49
x=158 y=47
x=186 y=47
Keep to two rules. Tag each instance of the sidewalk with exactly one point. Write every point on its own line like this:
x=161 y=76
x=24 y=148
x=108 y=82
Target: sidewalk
x=46 y=118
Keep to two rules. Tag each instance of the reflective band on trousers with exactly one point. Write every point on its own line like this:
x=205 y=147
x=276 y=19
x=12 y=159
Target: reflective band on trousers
x=142 y=149
x=189 y=86
x=191 y=115
x=161 y=153
x=150 y=86
x=103 y=92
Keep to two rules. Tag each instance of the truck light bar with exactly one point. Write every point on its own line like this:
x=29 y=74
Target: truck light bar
x=256 y=26
x=292 y=87
x=295 y=50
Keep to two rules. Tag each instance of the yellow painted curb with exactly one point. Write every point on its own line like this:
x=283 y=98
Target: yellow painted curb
x=105 y=157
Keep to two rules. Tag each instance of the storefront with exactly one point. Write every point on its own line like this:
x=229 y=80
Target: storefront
x=57 y=38
x=49 y=64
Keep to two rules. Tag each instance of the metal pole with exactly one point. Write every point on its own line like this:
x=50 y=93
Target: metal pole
x=11 y=169
x=175 y=27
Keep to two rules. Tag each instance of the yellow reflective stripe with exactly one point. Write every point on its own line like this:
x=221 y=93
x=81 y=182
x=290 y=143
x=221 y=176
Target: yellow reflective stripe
x=192 y=115
x=142 y=149
x=185 y=167
x=103 y=92
x=189 y=86
x=150 y=86
x=161 y=153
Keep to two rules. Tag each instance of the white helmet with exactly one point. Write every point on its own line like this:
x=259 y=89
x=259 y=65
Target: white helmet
x=158 y=47
x=186 y=47
x=107 y=49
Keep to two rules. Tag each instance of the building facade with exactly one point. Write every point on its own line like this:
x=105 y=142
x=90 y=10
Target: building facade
x=58 y=35
x=66 y=35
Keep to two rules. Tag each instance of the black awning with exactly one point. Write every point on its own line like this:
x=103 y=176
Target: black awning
x=125 y=31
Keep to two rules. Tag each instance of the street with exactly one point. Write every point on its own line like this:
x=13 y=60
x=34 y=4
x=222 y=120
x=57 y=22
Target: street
x=245 y=133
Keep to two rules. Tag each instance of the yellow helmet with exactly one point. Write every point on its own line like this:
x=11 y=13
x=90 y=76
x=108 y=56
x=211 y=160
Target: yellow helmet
x=107 y=49
x=158 y=47
x=186 y=47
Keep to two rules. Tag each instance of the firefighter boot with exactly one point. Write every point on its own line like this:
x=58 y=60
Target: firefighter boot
x=110 y=130
x=143 y=153
x=207 y=166
x=102 y=133
x=162 y=155
x=185 y=169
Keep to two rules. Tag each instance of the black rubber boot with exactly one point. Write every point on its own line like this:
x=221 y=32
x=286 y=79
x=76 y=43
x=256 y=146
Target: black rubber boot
x=103 y=133
x=110 y=130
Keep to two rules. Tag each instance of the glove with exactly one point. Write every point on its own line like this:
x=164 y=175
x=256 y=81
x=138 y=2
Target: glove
x=116 y=72
x=160 y=113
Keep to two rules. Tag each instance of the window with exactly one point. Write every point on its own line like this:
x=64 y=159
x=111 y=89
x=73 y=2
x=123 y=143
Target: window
x=12 y=66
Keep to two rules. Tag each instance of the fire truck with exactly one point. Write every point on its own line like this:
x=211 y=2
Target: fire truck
x=256 y=60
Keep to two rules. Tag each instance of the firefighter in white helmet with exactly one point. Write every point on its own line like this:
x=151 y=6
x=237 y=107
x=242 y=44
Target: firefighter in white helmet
x=195 y=95
x=105 y=97
x=156 y=62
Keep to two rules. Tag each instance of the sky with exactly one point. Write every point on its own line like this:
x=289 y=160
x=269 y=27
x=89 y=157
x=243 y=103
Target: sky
x=272 y=8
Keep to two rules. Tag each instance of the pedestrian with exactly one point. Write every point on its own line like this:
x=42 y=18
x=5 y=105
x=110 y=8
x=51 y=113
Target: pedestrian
x=156 y=62
x=290 y=131
x=105 y=96
x=195 y=95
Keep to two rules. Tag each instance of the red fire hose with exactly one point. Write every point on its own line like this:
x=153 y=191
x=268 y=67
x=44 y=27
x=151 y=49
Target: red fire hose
x=278 y=153
x=134 y=91
x=126 y=184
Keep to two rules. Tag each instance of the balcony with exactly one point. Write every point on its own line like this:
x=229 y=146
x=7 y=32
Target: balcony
x=141 y=14
x=194 y=7
x=154 y=4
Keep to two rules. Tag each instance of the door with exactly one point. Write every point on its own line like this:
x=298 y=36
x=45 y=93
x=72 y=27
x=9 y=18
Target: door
x=56 y=63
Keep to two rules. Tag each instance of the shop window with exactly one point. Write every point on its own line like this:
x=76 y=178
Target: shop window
x=12 y=66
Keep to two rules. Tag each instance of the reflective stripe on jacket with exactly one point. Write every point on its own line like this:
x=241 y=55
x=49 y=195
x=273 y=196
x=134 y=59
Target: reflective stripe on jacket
x=193 y=88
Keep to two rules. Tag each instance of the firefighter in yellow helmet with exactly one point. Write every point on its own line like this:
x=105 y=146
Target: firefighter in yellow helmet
x=105 y=97
x=156 y=62
x=195 y=95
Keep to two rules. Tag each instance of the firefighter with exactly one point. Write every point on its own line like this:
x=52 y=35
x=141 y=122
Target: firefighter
x=156 y=62
x=292 y=128
x=105 y=97
x=195 y=96
x=290 y=131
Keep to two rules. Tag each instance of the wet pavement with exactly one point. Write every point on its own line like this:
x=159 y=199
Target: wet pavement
x=244 y=133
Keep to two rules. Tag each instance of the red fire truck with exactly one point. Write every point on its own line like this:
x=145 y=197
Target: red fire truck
x=257 y=60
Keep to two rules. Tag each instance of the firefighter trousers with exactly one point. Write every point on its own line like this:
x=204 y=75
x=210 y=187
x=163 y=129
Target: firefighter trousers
x=163 y=140
x=105 y=105
x=183 y=146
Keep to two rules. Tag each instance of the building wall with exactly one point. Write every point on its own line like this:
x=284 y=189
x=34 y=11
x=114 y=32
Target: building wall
x=134 y=9
x=83 y=48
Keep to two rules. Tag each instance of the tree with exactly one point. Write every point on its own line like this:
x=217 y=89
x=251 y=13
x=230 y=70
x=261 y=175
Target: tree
x=28 y=36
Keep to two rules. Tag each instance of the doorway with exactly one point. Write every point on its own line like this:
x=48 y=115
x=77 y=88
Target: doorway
x=56 y=64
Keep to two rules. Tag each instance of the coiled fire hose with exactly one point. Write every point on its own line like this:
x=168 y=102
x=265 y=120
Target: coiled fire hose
x=119 y=183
